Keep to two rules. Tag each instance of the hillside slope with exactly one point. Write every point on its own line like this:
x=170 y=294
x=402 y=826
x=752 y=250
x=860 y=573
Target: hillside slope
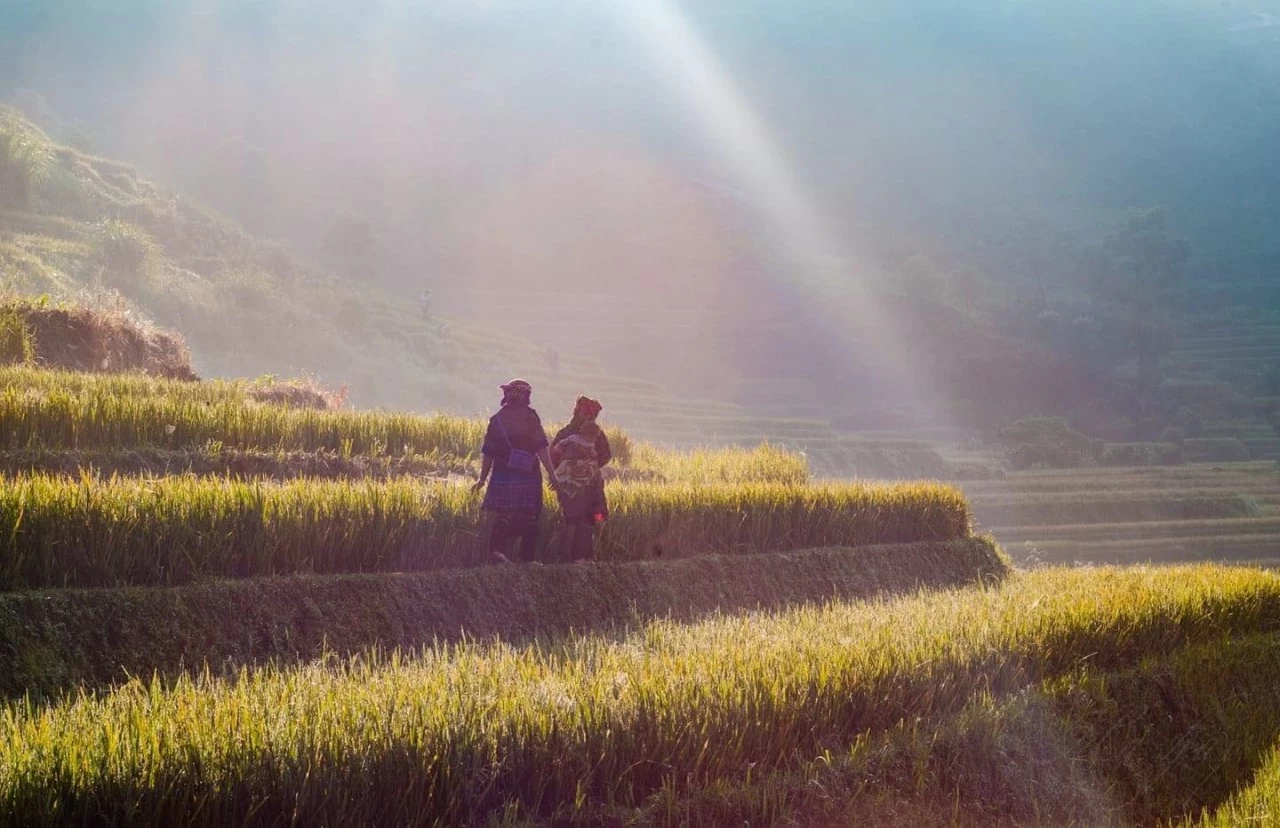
x=82 y=228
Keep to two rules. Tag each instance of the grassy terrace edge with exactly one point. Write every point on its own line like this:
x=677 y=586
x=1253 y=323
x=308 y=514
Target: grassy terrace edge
x=64 y=532
x=1158 y=744
x=57 y=640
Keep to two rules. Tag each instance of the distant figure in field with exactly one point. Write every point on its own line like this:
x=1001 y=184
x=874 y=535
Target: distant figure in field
x=424 y=302
x=515 y=453
x=553 y=362
x=579 y=452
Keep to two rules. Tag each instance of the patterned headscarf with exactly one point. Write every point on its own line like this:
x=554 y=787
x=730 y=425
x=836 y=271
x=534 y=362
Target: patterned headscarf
x=586 y=407
x=516 y=392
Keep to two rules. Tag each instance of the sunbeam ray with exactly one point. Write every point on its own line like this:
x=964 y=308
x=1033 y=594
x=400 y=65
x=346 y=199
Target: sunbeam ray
x=814 y=261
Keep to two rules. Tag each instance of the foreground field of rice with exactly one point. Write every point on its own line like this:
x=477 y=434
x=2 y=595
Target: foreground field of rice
x=470 y=733
x=57 y=532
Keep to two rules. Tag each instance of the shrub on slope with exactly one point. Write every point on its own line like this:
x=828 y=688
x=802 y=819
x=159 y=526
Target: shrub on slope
x=26 y=160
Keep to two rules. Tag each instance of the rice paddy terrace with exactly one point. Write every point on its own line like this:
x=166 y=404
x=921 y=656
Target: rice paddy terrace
x=1221 y=504
x=219 y=609
x=125 y=481
x=1242 y=353
x=1194 y=512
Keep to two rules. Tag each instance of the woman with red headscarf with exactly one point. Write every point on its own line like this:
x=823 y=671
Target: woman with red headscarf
x=578 y=452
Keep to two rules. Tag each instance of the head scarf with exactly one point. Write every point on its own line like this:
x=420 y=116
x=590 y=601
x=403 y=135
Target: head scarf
x=586 y=407
x=516 y=392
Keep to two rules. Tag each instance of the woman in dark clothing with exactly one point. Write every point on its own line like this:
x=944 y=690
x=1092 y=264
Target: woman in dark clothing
x=515 y=453
x=578 y=452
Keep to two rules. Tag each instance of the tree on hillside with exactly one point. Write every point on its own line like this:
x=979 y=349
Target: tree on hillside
x=1141 y=288
x=26 y=161
x=1035 y=251
x=1151 y=260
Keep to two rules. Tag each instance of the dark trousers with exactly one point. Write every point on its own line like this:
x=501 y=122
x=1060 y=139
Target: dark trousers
x=579 y=541
x=507 y=527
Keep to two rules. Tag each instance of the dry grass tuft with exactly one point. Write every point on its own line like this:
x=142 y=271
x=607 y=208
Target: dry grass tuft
x=299 y=392
x=100 y=341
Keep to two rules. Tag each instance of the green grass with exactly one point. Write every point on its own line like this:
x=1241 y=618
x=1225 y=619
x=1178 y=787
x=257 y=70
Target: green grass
x=1257 y=803
x=92 y=532
x=464 y=733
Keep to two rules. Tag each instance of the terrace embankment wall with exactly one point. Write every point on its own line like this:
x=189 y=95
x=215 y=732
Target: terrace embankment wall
x=53 y=641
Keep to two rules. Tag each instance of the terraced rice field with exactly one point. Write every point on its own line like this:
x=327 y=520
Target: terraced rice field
x=57 y=532
x=1198 y=512
x=602 y=729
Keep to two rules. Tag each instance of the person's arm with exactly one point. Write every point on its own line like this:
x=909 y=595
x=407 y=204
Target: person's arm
x=603 y=452
x=485 y=468
x=544 y=456
x=487 y=452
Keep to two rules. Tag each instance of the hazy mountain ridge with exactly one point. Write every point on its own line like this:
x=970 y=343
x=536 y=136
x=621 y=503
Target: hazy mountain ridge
x=92 y=231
